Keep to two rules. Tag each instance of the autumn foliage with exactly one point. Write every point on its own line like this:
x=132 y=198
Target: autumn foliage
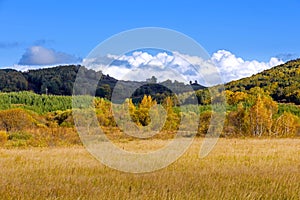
x=251 y=114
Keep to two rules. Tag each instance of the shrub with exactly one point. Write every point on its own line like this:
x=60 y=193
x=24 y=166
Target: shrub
x=3 y=137
x=19 y=136
x=15 y=120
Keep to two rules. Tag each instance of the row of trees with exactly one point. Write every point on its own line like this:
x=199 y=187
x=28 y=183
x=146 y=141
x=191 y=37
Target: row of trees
x=254 y=114
x=261 y=119
x=248 y=115
x=40 y=104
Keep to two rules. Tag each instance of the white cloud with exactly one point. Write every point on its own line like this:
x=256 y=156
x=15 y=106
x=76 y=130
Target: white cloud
x=223 y=66
x=229 y=66
x=117 y=71
x=233 y=68
x=24 y=68
x=139 y=58
x=38 y=55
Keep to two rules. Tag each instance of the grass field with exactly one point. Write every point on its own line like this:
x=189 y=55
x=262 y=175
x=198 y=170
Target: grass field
x=235 y=169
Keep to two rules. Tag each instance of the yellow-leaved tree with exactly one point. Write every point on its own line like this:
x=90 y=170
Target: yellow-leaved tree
x=261 y=115
x=286 y=125
x=141 y=115
x=173 y=120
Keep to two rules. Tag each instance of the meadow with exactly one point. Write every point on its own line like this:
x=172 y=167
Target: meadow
x=42 y=157
x=236 y=169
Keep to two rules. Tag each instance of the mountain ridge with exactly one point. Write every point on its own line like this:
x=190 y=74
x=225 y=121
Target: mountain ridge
x=281 y=82
x=60 y=80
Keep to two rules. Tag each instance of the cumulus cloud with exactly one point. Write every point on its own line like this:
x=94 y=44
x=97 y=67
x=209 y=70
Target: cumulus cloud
x=223 y=67
x=139 y=58
x=233 y=68
x=38 y=55
x=138 y=66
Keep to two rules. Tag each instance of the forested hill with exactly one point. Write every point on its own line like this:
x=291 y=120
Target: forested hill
x=60 y=80
x=57 y=80
x=282 y=82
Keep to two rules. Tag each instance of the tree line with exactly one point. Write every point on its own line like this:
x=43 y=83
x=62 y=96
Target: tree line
x=253 y=114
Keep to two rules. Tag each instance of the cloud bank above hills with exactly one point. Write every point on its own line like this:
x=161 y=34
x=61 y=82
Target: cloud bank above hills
x=140 y=65
x=143 y=64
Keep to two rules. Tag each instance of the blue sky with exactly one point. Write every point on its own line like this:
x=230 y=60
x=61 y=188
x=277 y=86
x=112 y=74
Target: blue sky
x=252 y=30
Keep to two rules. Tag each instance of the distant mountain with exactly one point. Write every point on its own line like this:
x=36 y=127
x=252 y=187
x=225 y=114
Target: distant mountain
x=282 y=82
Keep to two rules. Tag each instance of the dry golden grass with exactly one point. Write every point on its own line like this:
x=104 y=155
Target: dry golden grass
x=235 y=169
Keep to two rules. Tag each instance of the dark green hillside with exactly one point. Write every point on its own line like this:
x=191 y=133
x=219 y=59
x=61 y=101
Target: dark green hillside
x=60 y=81
x=57 y=80
x=282 y=82
x=12 y=80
